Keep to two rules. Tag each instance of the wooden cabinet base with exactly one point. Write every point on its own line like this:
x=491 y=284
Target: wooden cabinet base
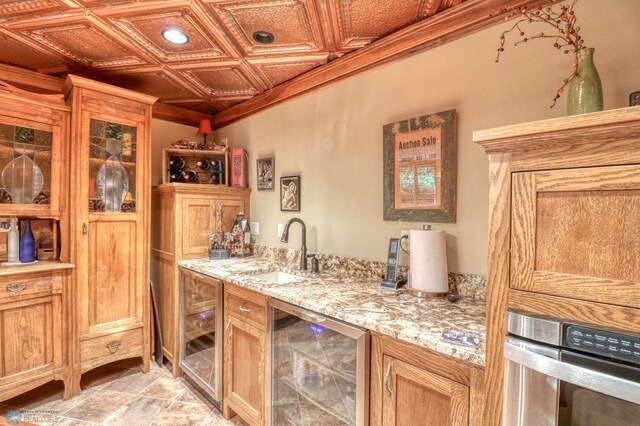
x=415 y=386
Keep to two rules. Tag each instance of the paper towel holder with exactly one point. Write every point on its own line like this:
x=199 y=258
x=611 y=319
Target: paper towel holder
x=422 y=294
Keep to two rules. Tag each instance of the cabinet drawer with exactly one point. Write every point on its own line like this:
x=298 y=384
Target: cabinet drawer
x=110 y=348
x=11 y=287
x=199 y=324
x=242 y=308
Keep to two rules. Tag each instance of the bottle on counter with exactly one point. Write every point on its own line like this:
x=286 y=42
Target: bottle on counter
x=13 y=241
x=27 y=244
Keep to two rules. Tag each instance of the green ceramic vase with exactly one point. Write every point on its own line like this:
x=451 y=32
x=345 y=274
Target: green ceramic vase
x=585 y=90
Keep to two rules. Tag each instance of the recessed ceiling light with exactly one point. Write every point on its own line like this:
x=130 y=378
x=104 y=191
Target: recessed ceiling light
x=175 y=36
x=263 y=37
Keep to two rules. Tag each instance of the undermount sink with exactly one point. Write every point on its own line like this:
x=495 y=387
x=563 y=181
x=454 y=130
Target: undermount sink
x=279 y=277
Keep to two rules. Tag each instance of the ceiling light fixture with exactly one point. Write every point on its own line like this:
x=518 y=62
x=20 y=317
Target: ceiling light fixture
x=175 y=36
x=263 y=37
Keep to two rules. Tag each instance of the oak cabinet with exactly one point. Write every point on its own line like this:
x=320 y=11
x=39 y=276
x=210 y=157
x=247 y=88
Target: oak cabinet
x=109 y=222
x=183 y=216
x=32 y=345
x=414 y=386
x=415 y=396
x=245 y=354
x=576 y=233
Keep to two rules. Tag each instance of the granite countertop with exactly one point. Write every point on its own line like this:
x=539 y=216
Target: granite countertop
x=362 y=302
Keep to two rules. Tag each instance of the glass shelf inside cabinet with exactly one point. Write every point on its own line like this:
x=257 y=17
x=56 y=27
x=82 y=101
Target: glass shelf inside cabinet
x=314 y=374
x=112 y=167
x=25 y=165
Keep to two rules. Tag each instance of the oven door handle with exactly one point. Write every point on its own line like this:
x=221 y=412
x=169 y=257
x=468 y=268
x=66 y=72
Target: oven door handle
x=590 y=379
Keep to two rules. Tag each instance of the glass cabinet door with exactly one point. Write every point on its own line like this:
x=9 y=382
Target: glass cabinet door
x=201 y=326
x=25 y=165
x=112 y=167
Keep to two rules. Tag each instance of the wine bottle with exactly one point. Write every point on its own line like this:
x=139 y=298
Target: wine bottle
x=190 y=176
x=215 y=177
x=204 y=164
x=176 y=163
x=177 y=176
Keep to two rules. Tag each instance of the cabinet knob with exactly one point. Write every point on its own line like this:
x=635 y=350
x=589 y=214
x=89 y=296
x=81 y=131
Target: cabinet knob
x=386 y=380
x=16 y=287
x=84 y=229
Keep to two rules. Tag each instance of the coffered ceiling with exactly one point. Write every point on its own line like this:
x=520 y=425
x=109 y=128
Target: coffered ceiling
x=120 y=41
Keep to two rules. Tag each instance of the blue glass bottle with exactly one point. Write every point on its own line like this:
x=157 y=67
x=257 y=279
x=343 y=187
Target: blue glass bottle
x=27 y=244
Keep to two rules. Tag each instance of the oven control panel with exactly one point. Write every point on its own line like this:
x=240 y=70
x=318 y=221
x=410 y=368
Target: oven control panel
x=606 y=343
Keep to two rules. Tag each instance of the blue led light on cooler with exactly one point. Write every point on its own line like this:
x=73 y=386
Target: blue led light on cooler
x=317 y=328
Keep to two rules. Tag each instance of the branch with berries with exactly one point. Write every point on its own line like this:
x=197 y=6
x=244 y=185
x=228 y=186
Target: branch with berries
x=564 y=33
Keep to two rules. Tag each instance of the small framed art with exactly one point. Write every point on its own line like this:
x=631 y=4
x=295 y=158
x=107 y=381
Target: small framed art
x=290 y=193
x=265 y=172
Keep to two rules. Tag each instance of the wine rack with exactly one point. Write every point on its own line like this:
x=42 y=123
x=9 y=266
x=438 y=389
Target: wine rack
x=196 y=166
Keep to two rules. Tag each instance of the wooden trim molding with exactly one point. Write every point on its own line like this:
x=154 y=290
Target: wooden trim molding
x=454 y=23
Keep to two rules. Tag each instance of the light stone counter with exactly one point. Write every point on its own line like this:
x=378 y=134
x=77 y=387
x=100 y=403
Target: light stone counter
x=362 y=302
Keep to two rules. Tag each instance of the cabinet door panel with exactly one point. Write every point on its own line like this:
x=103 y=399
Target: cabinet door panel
x=197 y=225
x=112 y=272
x=28 y=336
x=245 y=367
x=416 y=397
x=576 y=234
x=226 y=213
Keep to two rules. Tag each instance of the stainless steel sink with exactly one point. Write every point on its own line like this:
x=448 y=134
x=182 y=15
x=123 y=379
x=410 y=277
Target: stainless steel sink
x=279 y=277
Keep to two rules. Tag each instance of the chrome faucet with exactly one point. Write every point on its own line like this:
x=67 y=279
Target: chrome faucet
x=303 y=249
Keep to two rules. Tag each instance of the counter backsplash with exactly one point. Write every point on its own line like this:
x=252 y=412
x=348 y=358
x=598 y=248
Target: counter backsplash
x=467 y=285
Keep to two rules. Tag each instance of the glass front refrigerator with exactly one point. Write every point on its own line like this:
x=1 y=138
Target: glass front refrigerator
x=319 y=369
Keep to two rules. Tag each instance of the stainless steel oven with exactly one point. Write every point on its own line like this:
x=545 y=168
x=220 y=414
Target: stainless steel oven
x=319 y=369
x=561 y=373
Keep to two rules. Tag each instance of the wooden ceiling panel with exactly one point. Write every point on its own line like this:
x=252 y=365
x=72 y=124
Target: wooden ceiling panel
x=13 y=8
x=199 y=105
x=222 y=80
x=85 y=43
x=276 y=72
x=17 y=53
x=362 y=21
x=294 y=24
x=146 y=29
x=154 y=81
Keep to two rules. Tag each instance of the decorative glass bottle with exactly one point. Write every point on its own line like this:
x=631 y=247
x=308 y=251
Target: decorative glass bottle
x=13 y=241
x=585 y=90
x=27 y=244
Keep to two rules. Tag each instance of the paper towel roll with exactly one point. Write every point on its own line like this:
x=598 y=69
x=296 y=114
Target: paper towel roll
x=428 y=261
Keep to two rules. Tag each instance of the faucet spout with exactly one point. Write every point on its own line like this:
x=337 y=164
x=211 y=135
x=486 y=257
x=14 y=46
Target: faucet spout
x=303 y=249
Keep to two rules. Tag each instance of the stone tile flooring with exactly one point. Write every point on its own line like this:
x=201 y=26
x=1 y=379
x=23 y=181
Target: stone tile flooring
x=119 y=394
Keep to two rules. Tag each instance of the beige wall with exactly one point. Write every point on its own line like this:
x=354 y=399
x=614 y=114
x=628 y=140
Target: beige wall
x=333 y=137
x=163 y=133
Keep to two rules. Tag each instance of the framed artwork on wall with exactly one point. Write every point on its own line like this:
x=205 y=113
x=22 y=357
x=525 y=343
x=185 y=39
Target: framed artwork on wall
x=420 y=168
x=290 y=193
x=265 y=172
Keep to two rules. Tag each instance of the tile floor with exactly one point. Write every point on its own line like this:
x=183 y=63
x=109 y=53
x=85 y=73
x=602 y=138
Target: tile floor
x=119 y=394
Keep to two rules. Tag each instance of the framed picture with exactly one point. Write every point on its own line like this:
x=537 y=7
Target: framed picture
x=265 y=172
x=290 y=193
x=420 y=168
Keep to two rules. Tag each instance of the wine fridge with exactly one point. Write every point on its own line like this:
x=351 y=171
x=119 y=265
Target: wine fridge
x=319 y=369
x=201 y=333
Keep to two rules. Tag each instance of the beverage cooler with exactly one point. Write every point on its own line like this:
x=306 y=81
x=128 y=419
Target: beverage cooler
x=201 y=355
x=319 y=369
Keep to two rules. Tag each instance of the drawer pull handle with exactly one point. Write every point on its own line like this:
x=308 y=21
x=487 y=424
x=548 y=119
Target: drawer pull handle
x=243 y=309
x=113 y=346
x=16 y=287
x=386 y=380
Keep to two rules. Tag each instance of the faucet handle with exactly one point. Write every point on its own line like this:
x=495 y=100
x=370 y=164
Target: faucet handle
x=315 y=267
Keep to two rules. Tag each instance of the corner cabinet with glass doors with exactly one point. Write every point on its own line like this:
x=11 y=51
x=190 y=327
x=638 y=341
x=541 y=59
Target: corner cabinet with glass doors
x=109 y=222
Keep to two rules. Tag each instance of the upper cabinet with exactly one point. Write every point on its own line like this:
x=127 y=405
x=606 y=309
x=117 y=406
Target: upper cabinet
x=31 y=141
